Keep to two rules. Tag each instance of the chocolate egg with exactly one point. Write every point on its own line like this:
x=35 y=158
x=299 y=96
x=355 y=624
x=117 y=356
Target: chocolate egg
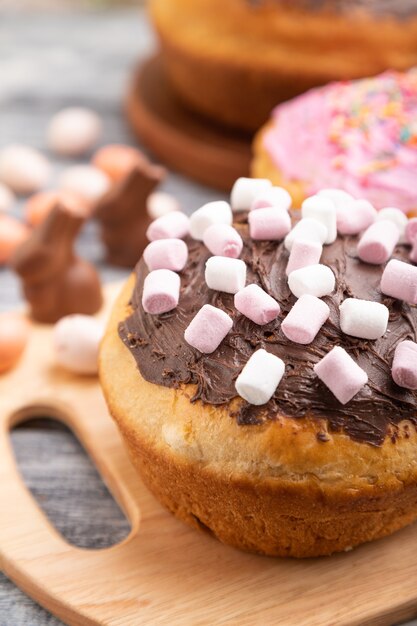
x=74 y=131
x=12 y=234
x=14 y=335
x=23 y=169
x=41 y=204
x=76 y=341
x=85 y=180
x=117 y=160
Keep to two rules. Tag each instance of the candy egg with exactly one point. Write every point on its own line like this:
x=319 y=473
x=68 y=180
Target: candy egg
x=117 y=160
x=7 y=198
x=74 y=131
x=23 y=169
x=85 y=180
x=41 y=204
x=76 y=341
x=14 y=334
x=12 y=234
x=160 y=203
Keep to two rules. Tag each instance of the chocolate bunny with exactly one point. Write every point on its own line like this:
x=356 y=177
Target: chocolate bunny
x=55 y=281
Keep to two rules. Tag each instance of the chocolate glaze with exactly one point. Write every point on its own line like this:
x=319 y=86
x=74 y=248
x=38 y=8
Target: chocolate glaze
x=163 y=357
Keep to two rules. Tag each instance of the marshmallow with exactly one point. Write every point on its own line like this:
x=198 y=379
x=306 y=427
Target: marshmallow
x=355 y=217
x=404 y=365
x=14 y=335
x=208 y=328
x=86 y=180
x=399 y=280
x=159 y=203
x=269 y=224
x=161 y=291
x=339 y=197
x=315 y=280
x=411 y=230
x=173 y=225
x=305 y=319
x=307 y=229
x=364 y=319
x=7 y=198
x=76 y=340
x=245 y=190
x=303 y=253
x=223 y=240
x=225 y=274
x=256 y=304
x=396 y=216
x=211 y=213
x=378 y=242
x=341 y=374
x=323 y=210
x=168 y=254
x=74 y=131
x=23 y=169
x=260 y=377
x=277 y=197
x=413 y=253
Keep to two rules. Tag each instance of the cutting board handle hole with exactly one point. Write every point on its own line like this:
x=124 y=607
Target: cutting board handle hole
x=68 y=488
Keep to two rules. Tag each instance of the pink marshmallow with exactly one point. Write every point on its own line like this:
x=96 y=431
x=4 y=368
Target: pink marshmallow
x=355 y=217
x=223 y=240
x=207 y=329
x=168 y=254
x=378 y=242
x=305 y=319
x=303 y=253
x=161 y=291
x=339 y=372
x=173 y=225
x=276 y=197
x=404 y=366
x=413 y=253
x=399 y=280
x=269 y=224
x=256 y=304
x=411 y=231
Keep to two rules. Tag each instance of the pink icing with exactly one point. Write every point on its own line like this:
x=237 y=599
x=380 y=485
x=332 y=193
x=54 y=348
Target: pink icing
x=360 y=136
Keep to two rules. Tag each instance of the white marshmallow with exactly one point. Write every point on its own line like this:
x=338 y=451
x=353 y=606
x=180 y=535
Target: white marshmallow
x=323 y=210
x=74 y=131
x=316 y=280
x=23 y=169
x=245 y=190
x=76 y=340
x=7 y=198
x=160 y=203
x=307 y=229
x=363 y=318
x=260 y=377
x=211 y=213
x=225 y=274
x=86 y=180
x=397 y=217
x=276 y=197
x=339 y=197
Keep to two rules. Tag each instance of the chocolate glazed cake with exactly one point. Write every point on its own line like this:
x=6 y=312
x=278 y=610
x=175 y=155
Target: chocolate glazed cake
x=262 y=52
x=302 y=475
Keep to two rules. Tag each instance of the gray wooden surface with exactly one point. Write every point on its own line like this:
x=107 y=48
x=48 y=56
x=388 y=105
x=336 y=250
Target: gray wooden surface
x=47 y=61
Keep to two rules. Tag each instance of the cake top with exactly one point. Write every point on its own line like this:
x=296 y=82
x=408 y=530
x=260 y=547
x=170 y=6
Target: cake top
x=360 y=136
x=313 y=302
x=397 y=8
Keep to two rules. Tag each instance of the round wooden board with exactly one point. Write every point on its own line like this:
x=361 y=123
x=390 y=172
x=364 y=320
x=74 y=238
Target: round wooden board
x=190 y=144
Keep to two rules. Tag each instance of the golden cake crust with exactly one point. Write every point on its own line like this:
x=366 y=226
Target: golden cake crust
x=237 y=68
x=272 y=488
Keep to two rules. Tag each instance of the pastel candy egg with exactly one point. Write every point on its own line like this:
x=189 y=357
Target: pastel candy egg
x=87 y=181
x=14 y=335
x=23 y=169
x=76 y=341
x=117 y=160
x=12 y=234
x=74 y=131
x=160 y=203
x=41 y=204
x=7 y=198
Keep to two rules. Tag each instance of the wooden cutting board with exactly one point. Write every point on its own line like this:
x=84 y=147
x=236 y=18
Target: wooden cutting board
x=165 y=573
